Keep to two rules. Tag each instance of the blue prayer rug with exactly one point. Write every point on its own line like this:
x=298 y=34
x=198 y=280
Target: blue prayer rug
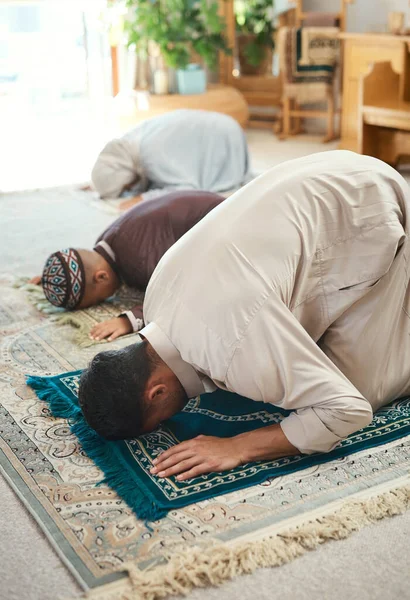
x=126 y=464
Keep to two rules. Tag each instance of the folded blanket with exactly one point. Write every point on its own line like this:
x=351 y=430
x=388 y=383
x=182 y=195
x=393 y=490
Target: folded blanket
x=306 y=83
x=320 y=46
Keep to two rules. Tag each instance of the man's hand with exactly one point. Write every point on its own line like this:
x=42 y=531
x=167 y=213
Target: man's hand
x=35 y=280
x=203 y=454
x=206 y=454
x=130 y=202
x=111 y=329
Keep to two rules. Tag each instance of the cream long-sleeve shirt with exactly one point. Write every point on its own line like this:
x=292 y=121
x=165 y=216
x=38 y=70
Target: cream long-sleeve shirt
x=294 y=291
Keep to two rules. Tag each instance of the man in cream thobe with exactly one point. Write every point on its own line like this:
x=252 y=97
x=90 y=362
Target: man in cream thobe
x=294 y=291
x=298 y=295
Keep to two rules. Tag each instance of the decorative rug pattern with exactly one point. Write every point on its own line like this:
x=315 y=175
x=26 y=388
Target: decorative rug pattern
x=93 y=530
x=126 y=464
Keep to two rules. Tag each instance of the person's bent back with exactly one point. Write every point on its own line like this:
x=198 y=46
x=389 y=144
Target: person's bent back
x=183 y=149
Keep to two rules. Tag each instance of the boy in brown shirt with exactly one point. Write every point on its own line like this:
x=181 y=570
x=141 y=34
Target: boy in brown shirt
x=127 y=252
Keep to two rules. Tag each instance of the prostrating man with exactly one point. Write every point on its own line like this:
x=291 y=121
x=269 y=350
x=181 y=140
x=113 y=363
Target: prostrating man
x=127 y=252
x=183 y=149
x=294 y=291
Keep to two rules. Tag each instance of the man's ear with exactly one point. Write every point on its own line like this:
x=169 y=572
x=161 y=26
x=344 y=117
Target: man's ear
x=156 y=393
x=101 y=276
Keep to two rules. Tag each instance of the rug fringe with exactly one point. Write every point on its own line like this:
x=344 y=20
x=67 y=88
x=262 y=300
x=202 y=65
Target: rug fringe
x=105 y=455
x=59 y=316
x=216 y=564
x=82 y=334
x=36 y=296
x=60 y=406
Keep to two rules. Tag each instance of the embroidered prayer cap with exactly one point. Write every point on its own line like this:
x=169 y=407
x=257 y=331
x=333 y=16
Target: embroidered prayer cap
x=63 y=278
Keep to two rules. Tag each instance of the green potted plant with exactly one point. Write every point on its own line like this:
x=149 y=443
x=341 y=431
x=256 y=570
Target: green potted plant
x=254 y=35
x=179 y=28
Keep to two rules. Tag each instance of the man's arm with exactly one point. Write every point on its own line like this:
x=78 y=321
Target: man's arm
x=279 y=363
x=135 y=317
x=267 y=443
x=124 y=324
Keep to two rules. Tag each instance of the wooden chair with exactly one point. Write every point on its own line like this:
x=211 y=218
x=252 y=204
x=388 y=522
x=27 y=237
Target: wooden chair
x=302 y=16
x=292 y=112
x=384 y=115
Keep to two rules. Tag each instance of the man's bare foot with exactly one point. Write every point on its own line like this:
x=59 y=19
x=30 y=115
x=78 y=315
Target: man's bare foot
x=129 y=203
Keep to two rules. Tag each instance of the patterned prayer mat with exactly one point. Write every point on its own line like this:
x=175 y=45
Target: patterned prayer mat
x=94 y=530
x=126 y=464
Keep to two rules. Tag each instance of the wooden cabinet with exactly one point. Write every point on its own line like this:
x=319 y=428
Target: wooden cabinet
x=360 y=51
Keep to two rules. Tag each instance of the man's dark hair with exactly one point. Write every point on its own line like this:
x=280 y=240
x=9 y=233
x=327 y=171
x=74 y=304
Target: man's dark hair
x=111 y=392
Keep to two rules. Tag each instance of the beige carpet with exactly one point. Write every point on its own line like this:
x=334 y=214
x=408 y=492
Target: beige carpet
x=371 y=564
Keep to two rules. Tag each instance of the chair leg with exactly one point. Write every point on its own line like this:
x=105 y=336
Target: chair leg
x=277 y=125
x=330 y=116
x=285 y=133
x=297 y=126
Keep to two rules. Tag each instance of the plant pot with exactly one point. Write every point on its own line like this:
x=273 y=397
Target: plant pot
x=191 y=80
x=264 y=67
x=160 y=82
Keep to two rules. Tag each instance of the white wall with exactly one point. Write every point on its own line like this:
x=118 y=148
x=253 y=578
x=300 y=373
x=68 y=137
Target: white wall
x=362 y=15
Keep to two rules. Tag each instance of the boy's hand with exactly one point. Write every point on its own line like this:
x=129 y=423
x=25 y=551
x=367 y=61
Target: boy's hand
x=111 y=329
x=35 y=280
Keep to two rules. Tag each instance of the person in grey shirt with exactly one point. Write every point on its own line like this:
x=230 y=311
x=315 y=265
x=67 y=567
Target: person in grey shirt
x=294 y=291
x=179 y=150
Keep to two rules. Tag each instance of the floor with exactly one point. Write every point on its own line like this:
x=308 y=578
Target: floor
x=371 y=565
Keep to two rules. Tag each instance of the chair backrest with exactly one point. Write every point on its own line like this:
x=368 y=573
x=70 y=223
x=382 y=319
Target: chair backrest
x=318 y=19
x=287 y=18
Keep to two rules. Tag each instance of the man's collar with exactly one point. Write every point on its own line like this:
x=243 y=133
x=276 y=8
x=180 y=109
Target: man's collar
x=163 y=346
x=106 y=252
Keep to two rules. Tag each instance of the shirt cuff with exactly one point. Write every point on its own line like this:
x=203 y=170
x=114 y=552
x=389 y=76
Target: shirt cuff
x=137 y=324
x=308 y=433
